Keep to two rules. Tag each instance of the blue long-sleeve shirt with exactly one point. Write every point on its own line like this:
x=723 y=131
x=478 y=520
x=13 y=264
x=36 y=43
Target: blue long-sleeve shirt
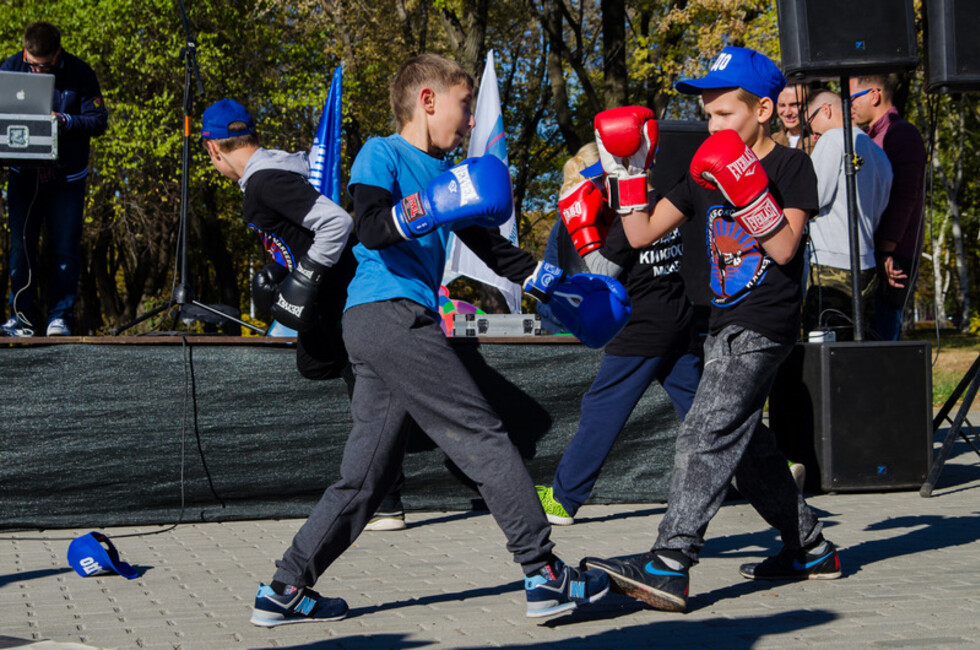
x=82 y=113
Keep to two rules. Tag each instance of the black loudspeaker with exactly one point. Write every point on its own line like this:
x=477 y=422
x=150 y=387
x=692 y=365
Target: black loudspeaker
x=858 y=415
x=679 y=140
x=822 y=39
x=953 y=45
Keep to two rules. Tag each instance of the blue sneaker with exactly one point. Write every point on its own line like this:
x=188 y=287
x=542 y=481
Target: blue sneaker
x=647 y=578
x=300 y=605
x=560 y=588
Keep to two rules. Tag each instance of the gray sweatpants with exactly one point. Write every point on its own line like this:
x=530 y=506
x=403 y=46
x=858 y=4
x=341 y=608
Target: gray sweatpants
x=723 y=437
x=404 y=365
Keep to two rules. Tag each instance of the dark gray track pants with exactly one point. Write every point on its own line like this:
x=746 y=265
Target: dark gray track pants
x=723 y=437
x=404 y=365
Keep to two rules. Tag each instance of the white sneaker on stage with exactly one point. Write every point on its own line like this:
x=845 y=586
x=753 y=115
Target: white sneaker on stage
x=58 y=327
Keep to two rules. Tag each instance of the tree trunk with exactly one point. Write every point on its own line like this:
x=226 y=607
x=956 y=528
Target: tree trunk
x=467 y=33
x=616 y=92
x=556 y=77
x=936 y=243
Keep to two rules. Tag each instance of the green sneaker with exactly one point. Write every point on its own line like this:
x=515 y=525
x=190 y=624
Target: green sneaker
x=552 y=509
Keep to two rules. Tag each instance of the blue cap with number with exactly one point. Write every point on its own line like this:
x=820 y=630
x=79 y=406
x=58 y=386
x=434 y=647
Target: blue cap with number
x=219 y=116
x=739 y=67
x=93 y=554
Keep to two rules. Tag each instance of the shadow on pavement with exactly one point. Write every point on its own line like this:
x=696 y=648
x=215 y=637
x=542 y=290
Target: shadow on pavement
x=671 y=630
x=647 y=512
x=32 y=575
x=666 y=630
x=456 y=596
x=362 y=641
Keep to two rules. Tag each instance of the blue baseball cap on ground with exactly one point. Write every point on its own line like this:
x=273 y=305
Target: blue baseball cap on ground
x=217 y=117
x=739 y=67
x=93 y=554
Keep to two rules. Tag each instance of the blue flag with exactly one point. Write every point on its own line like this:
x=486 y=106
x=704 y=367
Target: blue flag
x=325 y=152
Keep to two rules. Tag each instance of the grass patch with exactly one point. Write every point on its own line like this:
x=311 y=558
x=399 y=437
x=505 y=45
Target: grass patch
x=956 y=353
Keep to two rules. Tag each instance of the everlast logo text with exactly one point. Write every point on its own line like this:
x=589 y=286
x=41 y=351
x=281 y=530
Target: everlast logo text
x=412 y=207
x=764 y=218
x=573 y=211
x=295 y=310
x=742 y=166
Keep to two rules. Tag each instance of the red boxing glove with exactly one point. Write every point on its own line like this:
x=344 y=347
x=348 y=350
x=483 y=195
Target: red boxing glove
x=627 y=140
x=723 y=162
x=581 y=210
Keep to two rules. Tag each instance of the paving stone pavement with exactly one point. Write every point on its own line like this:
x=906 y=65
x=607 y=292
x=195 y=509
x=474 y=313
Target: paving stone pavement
x=911 y=579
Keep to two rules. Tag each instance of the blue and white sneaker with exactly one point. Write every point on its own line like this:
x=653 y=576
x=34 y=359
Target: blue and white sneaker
x=647 y=578
x=561 y=588
x=17 y=327
x=299 y=605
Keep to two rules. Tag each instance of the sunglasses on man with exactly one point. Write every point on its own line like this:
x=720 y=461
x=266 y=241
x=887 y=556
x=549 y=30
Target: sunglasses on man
x=861 y=93
x=45 y=68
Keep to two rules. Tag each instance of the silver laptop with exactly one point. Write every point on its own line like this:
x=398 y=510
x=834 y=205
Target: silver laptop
x=25 y=93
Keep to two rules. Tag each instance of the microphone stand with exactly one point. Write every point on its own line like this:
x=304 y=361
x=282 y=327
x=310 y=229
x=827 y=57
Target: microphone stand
x=183 y=294
x=850 y=183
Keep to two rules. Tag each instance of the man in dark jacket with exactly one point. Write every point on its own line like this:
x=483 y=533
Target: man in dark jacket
x=53 y=196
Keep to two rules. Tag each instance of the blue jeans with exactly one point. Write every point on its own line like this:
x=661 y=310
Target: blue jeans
x=617 y=388
x=58 y=205
x=886 y=320
x=723 y=437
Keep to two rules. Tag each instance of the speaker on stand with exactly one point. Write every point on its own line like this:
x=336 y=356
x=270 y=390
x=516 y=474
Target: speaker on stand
x=952 y=46
x=822 y=39
x=953 y=66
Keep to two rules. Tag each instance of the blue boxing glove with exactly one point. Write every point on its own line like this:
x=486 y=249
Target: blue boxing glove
x=475 y=192
x=592 y=307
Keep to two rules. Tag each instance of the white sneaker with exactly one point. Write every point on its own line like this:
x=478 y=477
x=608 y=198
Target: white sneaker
x=385 y=522
x=798 y=470
x=58 y=327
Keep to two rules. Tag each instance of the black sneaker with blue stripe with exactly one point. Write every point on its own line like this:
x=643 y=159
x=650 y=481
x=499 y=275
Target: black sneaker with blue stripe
x=647 y=578
x=297 y=605
x=820 y=563
x=558 y=588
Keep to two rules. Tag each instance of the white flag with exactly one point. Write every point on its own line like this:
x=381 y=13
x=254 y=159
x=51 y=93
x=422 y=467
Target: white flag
x=487 y=138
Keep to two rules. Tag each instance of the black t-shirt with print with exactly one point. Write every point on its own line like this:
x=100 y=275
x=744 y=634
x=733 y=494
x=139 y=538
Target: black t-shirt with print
x=749 y=289
x=660 y=320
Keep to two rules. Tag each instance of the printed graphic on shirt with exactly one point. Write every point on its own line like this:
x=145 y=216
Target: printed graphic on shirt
x=276 y=247
x=738 y=262
x=664 y=255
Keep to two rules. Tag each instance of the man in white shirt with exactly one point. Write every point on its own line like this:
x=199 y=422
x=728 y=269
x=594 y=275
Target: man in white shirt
x=828 y=299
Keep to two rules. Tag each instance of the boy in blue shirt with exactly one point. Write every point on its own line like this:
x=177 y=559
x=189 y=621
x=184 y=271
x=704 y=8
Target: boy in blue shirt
x=408 y=199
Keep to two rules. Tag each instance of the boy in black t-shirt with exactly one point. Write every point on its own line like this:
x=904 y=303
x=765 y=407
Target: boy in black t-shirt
x=655 y=345
x=757 y=197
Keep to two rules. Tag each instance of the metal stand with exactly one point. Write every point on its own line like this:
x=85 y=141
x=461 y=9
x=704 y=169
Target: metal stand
x=971 y=378
x=183 y=294
x=850 y=169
